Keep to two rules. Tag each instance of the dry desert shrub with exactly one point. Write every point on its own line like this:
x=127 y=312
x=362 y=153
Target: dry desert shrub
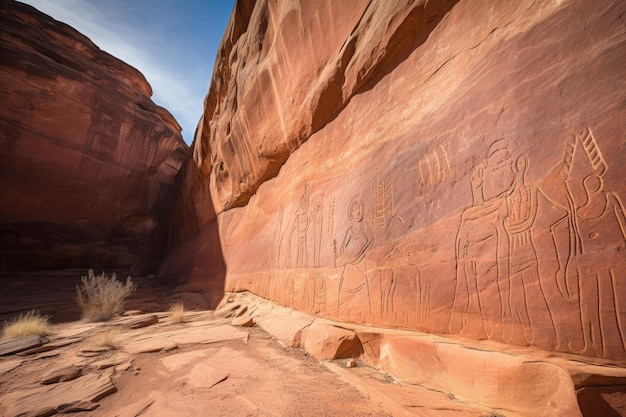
x=177 y=313
x=108 y=339
x=101 y=297
x=29 y=324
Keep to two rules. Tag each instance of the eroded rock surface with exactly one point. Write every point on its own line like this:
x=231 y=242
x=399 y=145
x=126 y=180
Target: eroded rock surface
x=217 y=369
x=449 y=166
x=87 y=160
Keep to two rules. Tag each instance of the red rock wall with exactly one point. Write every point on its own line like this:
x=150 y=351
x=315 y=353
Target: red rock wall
x=87 y=160
x=448 y=166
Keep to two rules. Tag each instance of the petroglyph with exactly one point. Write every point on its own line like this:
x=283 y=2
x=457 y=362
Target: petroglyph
x=495 y=251
x=497 y=256
x=601 y=224
x=278 y=237
x=387 y=292
x=482 y=246
x=433 y=168
x=317 y=233
x=319 y=298
x=383 y=201
x=299 y=231
x=331 y=218
x=423 y=298
x=358 y=240
x=525 y=282
x=290 y=290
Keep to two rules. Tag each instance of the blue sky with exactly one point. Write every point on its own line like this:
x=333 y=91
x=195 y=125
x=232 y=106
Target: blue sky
x=172 y=42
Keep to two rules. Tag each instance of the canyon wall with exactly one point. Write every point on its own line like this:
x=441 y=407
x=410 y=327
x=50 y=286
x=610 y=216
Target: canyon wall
x=450 y=166
x=87 y=160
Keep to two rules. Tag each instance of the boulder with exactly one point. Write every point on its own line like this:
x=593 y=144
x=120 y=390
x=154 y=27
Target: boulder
x=325 y=341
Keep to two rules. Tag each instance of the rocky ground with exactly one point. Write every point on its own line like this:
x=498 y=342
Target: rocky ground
x=203 y=366
x=251 y=357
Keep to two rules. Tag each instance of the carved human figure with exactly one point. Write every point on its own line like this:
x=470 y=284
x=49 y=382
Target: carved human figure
x=499 y=175
x=423 y=298
x=319 y=294
x=602 y=280
x=482 y=248
x=308 y=295
x=354 y=291
x=525 y=283
x=317 y=233
x=481 y=254
x=388 y=284
x=300 y=228
x=408 y=299
x=290 y=290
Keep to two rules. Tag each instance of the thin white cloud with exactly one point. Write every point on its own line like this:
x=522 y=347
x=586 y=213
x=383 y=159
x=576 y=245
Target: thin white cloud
x=109 y=25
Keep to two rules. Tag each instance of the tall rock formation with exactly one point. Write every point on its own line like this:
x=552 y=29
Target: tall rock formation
x=451 y=166
x=87 y=160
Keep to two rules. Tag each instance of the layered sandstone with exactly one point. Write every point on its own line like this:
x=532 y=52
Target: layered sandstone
x=454 y=167
x=87 y=160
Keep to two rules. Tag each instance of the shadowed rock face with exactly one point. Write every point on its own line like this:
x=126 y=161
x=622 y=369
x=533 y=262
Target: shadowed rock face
x=454 y=167
x=87 y=160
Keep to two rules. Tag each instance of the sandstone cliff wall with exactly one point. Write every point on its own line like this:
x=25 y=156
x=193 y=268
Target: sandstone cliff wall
x=87 y=160
x=448 y=166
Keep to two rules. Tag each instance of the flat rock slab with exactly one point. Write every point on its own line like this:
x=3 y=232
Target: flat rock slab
x=243 y=321
x=38 y=349
x=178 y=361
x=66 y=341
x=95 y=349
x=114 y=360
x=91 y=387
x=143 y=321
x=67 y=373
x=77 y=406
x=9 y=365
x=18 y=345
x=204 y=375
x=284 y=326
x=409 y=400
x=205 y=334
x=150 y=345
x=135 y=409
x=70 y=332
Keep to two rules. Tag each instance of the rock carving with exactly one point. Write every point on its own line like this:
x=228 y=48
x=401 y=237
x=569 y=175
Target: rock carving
x=353 y=285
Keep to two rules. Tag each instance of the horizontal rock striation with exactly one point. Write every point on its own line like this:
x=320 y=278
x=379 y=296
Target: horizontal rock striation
x=87 y=160
x=454 y=167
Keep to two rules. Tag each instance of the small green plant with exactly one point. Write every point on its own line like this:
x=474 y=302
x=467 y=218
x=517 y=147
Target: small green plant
x=101 y=297
x=29 y=324
x=177 y=313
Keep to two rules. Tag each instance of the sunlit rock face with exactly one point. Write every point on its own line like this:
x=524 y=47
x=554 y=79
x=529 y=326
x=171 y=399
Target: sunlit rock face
x=449 y=166
x=87 y=160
